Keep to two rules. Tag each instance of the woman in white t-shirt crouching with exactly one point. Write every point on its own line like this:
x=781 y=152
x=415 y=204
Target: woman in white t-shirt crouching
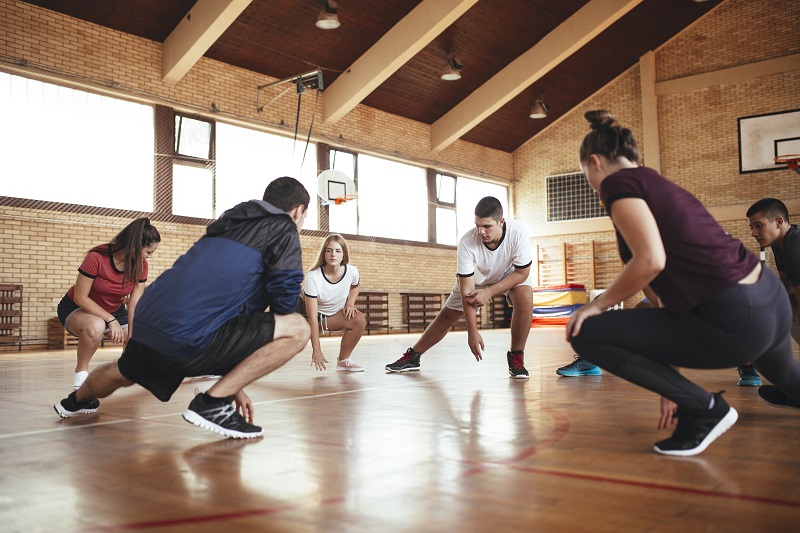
x=332 y=286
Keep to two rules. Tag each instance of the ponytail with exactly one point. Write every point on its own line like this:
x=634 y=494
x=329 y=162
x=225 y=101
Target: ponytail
x=608 y=138
x=132 y=239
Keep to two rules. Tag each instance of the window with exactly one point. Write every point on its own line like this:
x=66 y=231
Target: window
x=193 y=168
x=405 y=202
x=192 y=137
x=570 y=197
x=343 y=218
x=446 y=189
x=247 y=160
x=392 y=199
x=75 y=147
x=445 y=221
x=446 y=226
x=192 y=191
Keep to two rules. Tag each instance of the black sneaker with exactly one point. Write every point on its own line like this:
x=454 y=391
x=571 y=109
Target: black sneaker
x=70 y=406
x=407 y=363
x=775 y=396
x=220 y=415
x=516 y=365
x=697 y=428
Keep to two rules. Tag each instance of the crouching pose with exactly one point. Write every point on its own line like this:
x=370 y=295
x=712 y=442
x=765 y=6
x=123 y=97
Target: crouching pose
x=206 y=316
x=720 y=309
x=332 y=287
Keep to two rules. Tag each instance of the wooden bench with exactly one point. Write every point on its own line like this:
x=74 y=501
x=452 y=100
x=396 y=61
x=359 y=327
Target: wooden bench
x=500 y=312
x=11 y=315
x=59 y=338
x=419 y=309
x=375 y=306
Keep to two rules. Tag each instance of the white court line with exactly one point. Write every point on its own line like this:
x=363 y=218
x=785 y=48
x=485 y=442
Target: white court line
x=267 y=402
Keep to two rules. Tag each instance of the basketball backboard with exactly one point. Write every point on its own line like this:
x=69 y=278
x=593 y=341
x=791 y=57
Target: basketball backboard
x=335 y=187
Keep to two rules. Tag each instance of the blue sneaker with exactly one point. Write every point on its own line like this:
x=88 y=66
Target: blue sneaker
x=748 y=377
x=579 y=367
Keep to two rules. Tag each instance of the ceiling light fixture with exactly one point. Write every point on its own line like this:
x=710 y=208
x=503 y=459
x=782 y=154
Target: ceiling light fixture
x=540 y=108
x=453 y=70
x=328 y=18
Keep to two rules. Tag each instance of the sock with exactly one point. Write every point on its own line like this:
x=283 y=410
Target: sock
x=212 y=399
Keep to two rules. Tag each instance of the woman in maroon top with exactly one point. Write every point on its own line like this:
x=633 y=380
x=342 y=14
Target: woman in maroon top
x=715 y=306
x=93 y=308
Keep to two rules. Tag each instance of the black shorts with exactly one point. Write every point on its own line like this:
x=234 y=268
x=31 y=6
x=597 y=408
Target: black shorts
x=231 y=344
x=67 y=307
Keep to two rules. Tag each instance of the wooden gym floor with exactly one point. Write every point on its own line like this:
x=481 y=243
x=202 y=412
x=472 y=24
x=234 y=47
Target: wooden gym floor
x=456 y=447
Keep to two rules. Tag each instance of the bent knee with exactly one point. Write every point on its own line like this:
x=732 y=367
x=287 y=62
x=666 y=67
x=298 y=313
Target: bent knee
x=294 y=325
x=521 y=296
x=93 y=330
x=360 y=322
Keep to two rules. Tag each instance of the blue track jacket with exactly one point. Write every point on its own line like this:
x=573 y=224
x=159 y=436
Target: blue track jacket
x=248 y=260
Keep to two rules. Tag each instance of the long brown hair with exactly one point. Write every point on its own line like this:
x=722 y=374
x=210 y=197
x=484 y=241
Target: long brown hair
x=133 y=238
x=608 y=138
x=332 y=237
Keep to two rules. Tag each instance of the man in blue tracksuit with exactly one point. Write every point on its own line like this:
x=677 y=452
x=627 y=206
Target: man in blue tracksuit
x=207 y=315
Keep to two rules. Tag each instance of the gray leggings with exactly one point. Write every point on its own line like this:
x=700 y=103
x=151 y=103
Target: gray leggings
x=743 y=323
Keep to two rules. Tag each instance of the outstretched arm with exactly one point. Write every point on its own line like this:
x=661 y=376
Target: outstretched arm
x=317 y=357
x=467 y=286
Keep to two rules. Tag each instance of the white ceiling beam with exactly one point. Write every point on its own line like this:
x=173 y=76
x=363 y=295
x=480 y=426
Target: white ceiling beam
x=544 y=56
x=393 y=50
x=195 y=34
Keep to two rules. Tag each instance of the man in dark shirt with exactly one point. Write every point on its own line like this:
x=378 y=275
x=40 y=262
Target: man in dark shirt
x=769 y=223
x=206 y=316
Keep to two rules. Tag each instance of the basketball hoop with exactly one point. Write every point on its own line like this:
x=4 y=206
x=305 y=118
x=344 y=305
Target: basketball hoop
x=335 y=187
x=339 y=200
x=792 y=161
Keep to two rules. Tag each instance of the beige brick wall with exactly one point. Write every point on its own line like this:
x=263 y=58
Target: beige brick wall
x=699 y=147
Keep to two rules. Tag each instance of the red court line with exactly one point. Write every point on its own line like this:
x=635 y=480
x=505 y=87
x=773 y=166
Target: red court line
x=562 y=428
x=659 y=486
x=216 y=517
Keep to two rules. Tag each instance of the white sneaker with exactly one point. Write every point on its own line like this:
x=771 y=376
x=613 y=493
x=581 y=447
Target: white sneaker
x=80 y=377
x=349 y=365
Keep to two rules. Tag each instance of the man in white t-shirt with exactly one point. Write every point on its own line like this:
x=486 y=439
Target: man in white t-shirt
x=493 y=258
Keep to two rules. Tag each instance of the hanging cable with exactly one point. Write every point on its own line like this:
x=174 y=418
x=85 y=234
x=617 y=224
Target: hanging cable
x=310 y=129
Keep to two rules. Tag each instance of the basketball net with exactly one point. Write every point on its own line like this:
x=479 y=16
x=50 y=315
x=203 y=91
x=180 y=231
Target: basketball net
x=792 y=161
x=339 y=200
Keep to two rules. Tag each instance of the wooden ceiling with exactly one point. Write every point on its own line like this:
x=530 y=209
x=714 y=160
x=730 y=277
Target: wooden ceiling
x=278 y=38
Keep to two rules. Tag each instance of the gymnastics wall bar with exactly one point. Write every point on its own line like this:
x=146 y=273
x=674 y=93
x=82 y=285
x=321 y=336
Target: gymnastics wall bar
x=311 y=80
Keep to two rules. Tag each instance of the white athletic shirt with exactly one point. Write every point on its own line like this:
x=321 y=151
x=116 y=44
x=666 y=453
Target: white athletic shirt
x=330 y=296
x=490 y=266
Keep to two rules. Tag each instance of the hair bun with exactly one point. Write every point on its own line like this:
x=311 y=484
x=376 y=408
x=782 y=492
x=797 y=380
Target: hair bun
x=600 y=118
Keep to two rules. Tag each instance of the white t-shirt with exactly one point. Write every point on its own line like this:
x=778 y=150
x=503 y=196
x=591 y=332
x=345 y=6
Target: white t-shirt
x=490 y=266
x=330 y=296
